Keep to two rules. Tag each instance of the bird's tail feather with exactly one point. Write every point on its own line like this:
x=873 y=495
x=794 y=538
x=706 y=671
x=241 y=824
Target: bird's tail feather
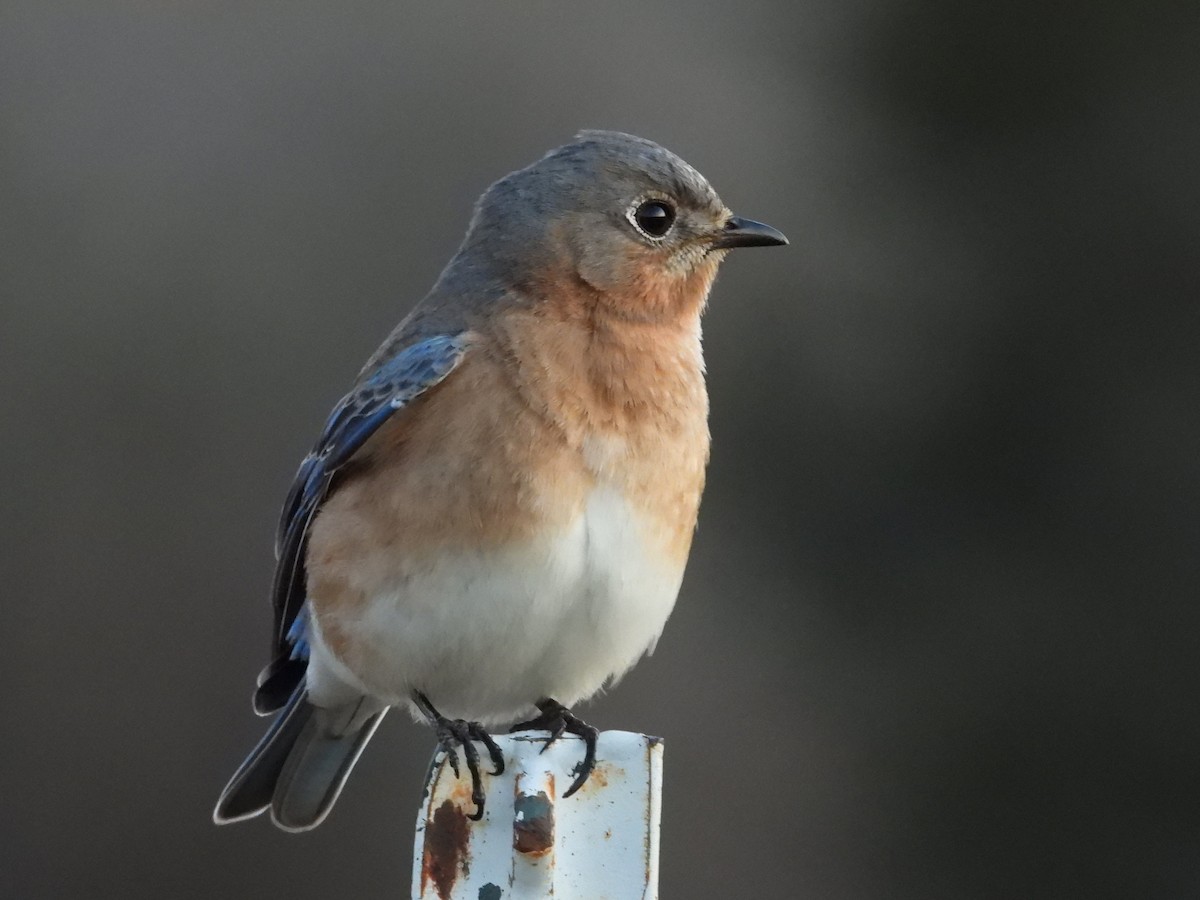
x=298 y=768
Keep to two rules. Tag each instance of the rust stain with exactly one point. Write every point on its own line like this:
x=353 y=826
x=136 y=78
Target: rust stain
x=460 y=792
x=533 y=824
x=446 y=848
x=598 y=780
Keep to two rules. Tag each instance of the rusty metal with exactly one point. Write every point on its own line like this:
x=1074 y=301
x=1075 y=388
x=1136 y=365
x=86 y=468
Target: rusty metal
x=533 y=824
x=446 y=836
x=599 y=844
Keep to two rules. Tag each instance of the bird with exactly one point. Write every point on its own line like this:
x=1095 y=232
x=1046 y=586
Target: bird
x=495 y=520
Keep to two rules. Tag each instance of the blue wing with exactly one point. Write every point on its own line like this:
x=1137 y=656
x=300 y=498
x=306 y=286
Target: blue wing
x=396 y=383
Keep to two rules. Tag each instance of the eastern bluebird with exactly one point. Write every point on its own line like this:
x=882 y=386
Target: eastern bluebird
x=498 y=514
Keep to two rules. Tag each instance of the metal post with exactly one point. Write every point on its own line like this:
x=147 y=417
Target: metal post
x=601 y=843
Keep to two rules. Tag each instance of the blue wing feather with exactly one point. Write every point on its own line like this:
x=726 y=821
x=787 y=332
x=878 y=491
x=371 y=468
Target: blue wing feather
x=391 y=387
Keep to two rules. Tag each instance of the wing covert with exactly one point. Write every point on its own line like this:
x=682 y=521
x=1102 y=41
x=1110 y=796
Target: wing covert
x=395 y=383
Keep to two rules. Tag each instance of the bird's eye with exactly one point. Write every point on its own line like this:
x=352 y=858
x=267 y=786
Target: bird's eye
x=654 y=218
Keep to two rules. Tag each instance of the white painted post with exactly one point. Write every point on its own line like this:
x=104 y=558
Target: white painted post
x=600 y=843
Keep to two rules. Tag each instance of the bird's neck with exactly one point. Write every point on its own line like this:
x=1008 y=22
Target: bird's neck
x=595 y=372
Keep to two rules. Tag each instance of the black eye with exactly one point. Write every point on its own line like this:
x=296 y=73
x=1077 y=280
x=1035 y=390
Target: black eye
x=655 y=217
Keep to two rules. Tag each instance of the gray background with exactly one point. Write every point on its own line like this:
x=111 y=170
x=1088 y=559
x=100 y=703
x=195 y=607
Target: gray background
x=938 y=638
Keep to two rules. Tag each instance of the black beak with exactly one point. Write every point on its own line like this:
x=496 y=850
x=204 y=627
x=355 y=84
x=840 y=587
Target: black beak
x=739 y=232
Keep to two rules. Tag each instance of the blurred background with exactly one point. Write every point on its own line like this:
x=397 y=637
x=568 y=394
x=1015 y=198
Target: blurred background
x=938 y=638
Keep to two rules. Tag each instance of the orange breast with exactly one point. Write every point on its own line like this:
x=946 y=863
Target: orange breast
x=510 y=447
x=627 y=400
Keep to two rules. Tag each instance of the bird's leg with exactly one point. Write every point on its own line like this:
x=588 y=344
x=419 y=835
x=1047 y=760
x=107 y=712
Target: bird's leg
x=463 y=733
x=557 y=719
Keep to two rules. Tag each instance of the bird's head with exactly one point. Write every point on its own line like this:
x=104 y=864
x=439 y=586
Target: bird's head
x=611 y=221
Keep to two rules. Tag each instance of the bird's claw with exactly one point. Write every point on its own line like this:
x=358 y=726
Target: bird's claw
x=558 y=720
x=452 y=733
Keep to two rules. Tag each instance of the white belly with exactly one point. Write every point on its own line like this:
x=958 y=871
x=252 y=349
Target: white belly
x=486 y=635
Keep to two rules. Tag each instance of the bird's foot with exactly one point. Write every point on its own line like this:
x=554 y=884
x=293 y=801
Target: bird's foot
x=452 y=733
x=558 y=720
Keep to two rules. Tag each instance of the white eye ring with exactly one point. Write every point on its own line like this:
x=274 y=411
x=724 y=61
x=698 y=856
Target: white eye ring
x=649 y=214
